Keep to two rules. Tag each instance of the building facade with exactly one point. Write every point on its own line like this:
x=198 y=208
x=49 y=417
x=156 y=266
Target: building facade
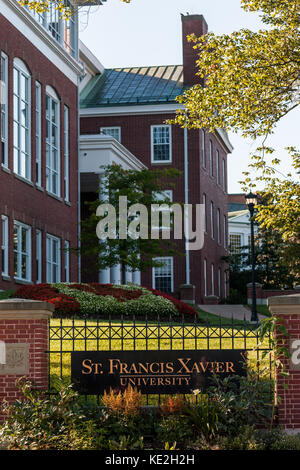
x=132 y=106
x=40 y=74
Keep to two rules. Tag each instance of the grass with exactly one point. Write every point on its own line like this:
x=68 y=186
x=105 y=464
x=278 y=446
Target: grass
x=6 y=294
x=211 y=319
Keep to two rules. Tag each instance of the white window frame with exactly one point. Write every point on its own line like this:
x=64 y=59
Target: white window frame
x=212 y=279
x=67 y=261
x=169 y=160
x=203 y=156
x=211 y=163
x=38 y=255
x=161 y=196
x=4 y=245
x=219 y=283
x=218 y=166
x=161 y=259
x=66 y=153
x=212 y=224
x=22 y=157
x=205 y=276
x=219 y=226
x=110 y=130
x=4 y=109
x=205 y=212
x=50 y=147
x=225 y=285
x=225 y=231
x=38 y=133
x=51 y=239
x=236 y=234
x=19 y=253
x=224 y=177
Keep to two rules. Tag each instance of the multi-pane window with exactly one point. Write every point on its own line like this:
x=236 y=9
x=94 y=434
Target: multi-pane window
x=224 y=182
x=53 y=258
x=4 y=109
x=205 y=214
x=22 y=251
x=235 y=240
x=67 y=261
x=21 y=115
x=66 y=154
x=38 y=256
x=219 y=283
x=52 y=143
x=205 y=276
x=225 y=231
x=4 y=245
x=219 y=226
x=38 y=133
x=114 y=132
x=161 y=148
x=162 y=196
x=203 y=159
x=212 y=227
x=212 y=279
x=225 y=286
x=211 y=169
x=218 y=166
x=163 y=275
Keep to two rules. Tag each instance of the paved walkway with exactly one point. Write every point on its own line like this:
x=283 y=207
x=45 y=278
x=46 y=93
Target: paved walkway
x=238 y=312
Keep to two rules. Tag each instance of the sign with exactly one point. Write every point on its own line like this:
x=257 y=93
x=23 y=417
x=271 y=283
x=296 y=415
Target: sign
x=152 y=372
x=295 y=354
x=16 y=359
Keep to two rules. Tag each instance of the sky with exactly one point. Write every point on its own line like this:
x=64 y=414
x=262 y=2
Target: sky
x=148 y=32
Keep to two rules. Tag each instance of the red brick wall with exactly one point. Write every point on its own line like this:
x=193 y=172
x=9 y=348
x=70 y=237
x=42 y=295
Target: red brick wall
x=191 y=24
x=34 y=332
x=19 y=200
x=136 y=137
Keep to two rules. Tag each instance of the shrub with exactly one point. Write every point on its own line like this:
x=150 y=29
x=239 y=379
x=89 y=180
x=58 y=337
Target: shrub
x=174 y=428
x=127 y=402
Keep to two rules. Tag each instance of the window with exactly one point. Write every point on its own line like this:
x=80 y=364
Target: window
x=218 y=166
x=21 y=116
x=38 y=256
x=163 y=276
x=212 y=231
x=67 y=261
x=4 y=109
x=114 y=132
x=225 y=232
x=225 y=286
x=203 y=159
x=205 y=216
x=4 y=245
x=224 y=182
x=66 y=153
x=53 y=258
x=218 y=226
x=52 y=142
x=38 y=133
x=166 y=212
x=235 y=243
x=211 y=169
x=212 y=280
x=22 y=251
x=219 y=283
x=161 y=148
x=205 y=277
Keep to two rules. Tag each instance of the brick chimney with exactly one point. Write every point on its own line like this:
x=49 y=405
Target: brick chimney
x=191 y=24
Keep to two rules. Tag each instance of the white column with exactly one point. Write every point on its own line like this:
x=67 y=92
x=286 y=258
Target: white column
x=104 y=274
x=136 y=277
x=128 y=276
x=115 y=274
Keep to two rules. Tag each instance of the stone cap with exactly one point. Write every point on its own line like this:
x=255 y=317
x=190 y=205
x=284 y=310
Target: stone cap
x=284 y=304
x=257 y=284
x=186 y=286
x=25 y=309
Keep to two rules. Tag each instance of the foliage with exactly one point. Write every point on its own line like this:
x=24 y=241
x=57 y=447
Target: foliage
x=251 y=78
x=105 y=299
x=136 y=252
x=172 y=405
x=41 y=6
x=175 y=428
x=127 y=402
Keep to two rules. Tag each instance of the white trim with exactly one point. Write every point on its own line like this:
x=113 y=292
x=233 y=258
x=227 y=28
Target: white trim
x=66 y=153
x=203 y=156
x=4 y=101
x=205 y=276
x=49 y=187
x=212 y=279
x=211 y=159
x=38 y=133
x=160 y=259
x=38 y=255
x=219 y=283
x=67 y=261
x=24 y=22
x=19 y=253
x=5 y=245
x=52 y=93
x=212 y=221
x=111 y=128
x=130 y=110
x=219 y=226
x=49 y=258
x=161 y=162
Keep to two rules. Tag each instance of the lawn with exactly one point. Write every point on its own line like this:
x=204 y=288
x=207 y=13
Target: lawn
x=68 y=335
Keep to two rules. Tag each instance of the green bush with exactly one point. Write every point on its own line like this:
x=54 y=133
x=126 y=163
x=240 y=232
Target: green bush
x=175 y=428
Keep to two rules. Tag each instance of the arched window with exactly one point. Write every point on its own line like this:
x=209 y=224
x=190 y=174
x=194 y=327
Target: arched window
x=52 y=141
x=21 y=116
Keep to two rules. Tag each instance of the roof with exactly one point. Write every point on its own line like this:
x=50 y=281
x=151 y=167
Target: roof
x=234 y=206
x=232 y=215
x=134 y=85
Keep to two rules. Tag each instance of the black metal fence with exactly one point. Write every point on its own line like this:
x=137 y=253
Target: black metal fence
x=68 y=335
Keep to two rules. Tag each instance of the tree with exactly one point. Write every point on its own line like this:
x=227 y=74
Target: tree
x=41 y=6
x=251 y=78
x=140 y=187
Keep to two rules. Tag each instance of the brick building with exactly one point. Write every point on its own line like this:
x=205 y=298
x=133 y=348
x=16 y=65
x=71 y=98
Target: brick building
x=40 y=73
x=132 y=106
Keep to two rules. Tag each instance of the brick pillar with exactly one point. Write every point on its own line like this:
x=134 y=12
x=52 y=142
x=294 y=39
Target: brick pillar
x=24 y=332
x=259 y=293
x=287 y=308
x=187 y=293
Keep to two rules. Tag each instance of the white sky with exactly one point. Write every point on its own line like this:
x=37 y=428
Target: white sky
x=148 y=32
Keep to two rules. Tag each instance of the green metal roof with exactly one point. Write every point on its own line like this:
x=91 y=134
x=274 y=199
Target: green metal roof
x=235 y=206
x=131 y=86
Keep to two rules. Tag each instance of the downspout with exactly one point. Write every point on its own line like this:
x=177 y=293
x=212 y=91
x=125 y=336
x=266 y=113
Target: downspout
x=78 y=151
x=186 y=201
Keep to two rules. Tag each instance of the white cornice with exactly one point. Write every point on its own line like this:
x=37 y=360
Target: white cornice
x=66 y=63
x=129 y=110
